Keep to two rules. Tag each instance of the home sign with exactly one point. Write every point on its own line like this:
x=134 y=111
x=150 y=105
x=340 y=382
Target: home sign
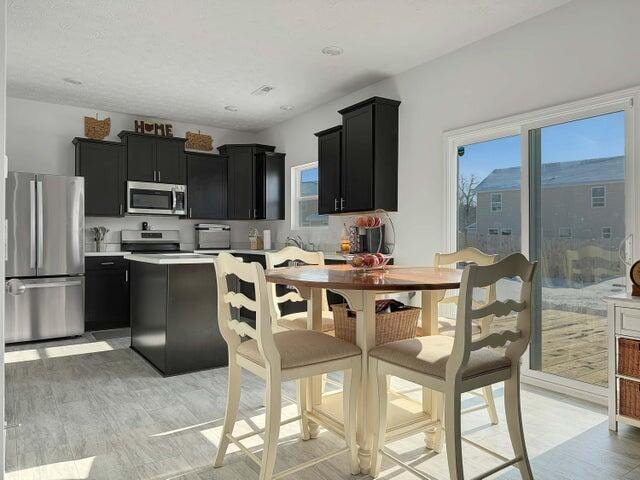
x=162 y=129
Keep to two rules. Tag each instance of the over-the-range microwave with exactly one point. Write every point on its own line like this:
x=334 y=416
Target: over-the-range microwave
x=156 y=198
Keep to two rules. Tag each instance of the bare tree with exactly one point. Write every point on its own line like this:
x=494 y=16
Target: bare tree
x=467 y=202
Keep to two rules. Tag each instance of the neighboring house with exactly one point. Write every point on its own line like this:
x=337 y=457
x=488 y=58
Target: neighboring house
x=582 y=203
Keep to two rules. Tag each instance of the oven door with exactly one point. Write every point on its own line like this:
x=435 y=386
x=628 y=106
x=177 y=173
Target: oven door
x=155 y=198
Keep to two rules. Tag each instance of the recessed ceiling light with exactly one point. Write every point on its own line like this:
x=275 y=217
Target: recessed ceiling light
x=72 y=81
x=332 y=50
x=231 y=108
x=287 y=107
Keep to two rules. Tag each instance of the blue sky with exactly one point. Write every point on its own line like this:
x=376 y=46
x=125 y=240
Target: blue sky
x=601 y=136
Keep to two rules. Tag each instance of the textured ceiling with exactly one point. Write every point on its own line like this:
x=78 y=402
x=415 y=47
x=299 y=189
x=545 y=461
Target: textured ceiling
x=185 y=60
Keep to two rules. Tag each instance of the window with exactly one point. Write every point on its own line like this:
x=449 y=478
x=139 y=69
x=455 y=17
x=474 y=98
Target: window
x=598 y=197
x=304 y=197
x=606 y=232
x=494 y=231
x=496 y=202
x=565 y=232
x=506 y=231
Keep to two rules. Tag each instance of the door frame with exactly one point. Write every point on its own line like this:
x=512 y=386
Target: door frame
x=521 y=124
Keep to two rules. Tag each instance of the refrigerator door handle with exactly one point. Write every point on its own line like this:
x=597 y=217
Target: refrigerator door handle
x=32 y=224
x=30 y=286
x=40 y=226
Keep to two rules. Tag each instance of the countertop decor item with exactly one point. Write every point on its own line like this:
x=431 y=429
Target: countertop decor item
x=255 y=239
x=96 y=129
x=199 y=141
x=99 y=232
x=377 y=259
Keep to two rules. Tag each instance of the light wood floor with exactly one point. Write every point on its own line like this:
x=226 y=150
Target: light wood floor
x=94 y=409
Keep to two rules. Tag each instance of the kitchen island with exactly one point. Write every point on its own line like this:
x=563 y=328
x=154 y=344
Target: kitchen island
x=174 y=317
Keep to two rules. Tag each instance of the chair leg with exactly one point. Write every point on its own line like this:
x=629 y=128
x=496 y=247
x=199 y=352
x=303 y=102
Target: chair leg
x=487 y=393
x=438 y=438
x=272 y=425
x=302 y=408
x=233 y=402
x=350 y=402
x=381 y=400
x=452 y=422
x=514 y=423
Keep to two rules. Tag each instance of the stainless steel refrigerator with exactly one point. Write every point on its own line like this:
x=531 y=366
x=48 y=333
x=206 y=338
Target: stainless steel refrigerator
x=45 y=257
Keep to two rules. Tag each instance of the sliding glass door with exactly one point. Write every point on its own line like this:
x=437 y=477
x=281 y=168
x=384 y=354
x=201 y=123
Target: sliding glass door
x=576 y=224
x=558 y=187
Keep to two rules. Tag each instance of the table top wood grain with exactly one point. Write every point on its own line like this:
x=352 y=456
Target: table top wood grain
x=344 y=277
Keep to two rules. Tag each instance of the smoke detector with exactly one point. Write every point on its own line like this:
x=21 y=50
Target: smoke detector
x=263 y=90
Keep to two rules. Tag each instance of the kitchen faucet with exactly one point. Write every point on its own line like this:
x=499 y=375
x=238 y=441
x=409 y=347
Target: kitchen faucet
x=297 y=241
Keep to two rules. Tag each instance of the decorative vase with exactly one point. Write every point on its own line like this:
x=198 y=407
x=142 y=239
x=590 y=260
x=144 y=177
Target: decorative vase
x=99 y=246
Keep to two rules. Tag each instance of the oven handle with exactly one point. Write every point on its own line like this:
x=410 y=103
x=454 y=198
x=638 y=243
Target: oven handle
x=174 y=200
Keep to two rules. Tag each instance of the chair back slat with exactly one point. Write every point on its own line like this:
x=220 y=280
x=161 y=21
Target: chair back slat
x=232 y=329
x=498 y=309
x=467 y=255
x=477 y=276
x=238 y=300
x=289 y=255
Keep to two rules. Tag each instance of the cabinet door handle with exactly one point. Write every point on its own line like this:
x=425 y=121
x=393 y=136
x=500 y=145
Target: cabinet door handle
x=107 y=263
x=255 y=213
x=154 y=175
x=335 y=204
x=126 y=276
x=341 y=204
x=159 y=176
x=190 y=212
x=120 y=210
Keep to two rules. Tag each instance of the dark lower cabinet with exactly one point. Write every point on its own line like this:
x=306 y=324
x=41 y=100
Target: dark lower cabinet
x=102 y=164
x=106 y=293
x=206 y=186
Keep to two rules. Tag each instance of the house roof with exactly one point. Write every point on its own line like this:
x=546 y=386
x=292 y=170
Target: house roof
x=579 y=172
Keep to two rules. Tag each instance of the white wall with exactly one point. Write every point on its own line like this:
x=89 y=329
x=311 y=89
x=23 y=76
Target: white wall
x=39 y=139
x=582 y=49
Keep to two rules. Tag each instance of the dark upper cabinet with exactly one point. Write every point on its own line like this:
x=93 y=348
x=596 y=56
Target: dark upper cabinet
x=170 y=162
x=270 y=185
x=207 y=186
x=106 y=293
x=152 y=158
x=102 y=164
x=329 y=165
x=249 y=196
x=369 y=163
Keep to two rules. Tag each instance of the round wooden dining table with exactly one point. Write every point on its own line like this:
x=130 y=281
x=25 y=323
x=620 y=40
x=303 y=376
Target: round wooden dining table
x=360 y=289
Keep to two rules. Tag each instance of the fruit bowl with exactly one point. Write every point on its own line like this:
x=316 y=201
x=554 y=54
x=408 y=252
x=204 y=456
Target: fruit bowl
x=367 y=261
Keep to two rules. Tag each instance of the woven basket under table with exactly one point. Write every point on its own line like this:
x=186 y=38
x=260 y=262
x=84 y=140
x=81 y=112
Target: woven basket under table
x=390 y=326
x=629 y=399
x=629 y=357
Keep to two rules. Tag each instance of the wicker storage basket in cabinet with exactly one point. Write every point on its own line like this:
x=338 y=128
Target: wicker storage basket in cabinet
x=629 y=398
x=629 y=357
x=390 y=326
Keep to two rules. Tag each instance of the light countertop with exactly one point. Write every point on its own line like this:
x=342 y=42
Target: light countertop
x=232 y=251
x=170 y=258
x=106 y=254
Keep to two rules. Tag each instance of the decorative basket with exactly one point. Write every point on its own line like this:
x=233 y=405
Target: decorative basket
x=96 y=129
x=199 y=141
x=629 y=399
x=390 y=326
x=629 y=357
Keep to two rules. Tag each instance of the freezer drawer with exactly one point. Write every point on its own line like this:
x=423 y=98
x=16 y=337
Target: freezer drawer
x=36 y=309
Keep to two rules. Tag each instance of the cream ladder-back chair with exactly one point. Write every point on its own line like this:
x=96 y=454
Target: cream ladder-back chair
x=481 y=327
x=295 y=321
x=464 y=363
x=278 y=357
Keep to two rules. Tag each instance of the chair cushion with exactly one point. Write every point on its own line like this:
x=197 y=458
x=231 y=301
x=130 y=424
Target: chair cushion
x=429 y=355
x=299 y=348
x=298 y=321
